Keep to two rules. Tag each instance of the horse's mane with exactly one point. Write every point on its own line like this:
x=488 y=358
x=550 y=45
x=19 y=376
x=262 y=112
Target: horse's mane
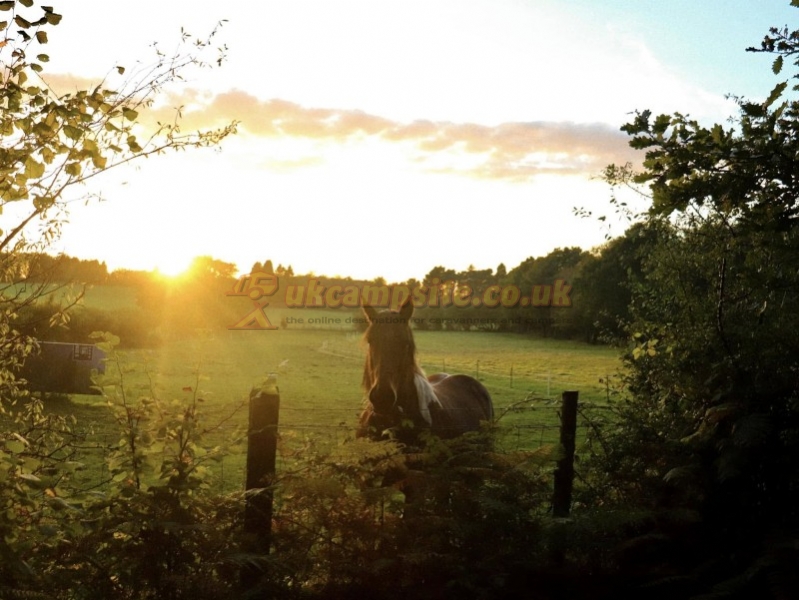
x=397 y=388
x=426 y=394
x=405 y=361
x=407 y=379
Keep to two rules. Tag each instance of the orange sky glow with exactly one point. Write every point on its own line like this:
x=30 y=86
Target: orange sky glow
x=382 y=139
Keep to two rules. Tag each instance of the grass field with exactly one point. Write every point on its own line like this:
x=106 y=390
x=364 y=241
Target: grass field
x=319 y=376
x=106 y=297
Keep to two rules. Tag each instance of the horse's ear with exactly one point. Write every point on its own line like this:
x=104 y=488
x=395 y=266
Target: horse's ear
x=371 y=313
x=406 y=310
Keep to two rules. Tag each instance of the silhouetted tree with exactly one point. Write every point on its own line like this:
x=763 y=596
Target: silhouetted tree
x=712 y=423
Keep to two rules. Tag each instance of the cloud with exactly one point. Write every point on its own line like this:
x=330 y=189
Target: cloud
x=67 y=83
x=508 y=151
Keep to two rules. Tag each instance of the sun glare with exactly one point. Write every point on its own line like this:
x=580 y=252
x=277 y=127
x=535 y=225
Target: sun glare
x=172 y=267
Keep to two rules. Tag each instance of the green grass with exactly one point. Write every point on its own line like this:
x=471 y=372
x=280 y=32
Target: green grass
x=109 y=297
x=319 y=370
x=319 y=377
x=106 y=297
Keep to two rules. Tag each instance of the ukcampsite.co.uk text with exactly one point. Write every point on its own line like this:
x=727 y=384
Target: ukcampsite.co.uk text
x=435 y=294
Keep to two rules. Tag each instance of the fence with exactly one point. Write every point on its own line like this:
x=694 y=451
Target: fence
x=510 y=375
x=521 y=426
x=261 y=469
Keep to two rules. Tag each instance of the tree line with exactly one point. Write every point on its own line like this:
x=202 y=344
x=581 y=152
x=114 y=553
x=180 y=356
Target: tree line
x=598 y=283
x=41 y=267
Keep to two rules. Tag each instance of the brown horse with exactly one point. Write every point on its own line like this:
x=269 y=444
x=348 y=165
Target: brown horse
x=399 y=395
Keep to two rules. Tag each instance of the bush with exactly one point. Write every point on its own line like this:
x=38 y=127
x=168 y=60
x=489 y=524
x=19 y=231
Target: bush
x=47 y=321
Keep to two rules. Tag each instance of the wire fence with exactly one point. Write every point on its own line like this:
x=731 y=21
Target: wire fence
x=520 y=425
x=518 y=376
x=307 y=432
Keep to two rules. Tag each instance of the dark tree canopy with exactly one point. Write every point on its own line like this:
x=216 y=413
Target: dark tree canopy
x=712 y=423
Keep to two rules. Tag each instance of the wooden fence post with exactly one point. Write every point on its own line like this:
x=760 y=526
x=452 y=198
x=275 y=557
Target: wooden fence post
x=261 y=453
x=564 y=472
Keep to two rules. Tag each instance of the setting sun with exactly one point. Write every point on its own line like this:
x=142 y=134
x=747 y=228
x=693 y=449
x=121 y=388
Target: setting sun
x=172 y=267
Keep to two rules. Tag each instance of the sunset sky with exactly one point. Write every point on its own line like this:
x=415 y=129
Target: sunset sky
x=383 y=138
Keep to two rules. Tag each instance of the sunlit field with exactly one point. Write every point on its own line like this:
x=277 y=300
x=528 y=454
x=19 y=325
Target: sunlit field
x=319 y=378
x=319 y=366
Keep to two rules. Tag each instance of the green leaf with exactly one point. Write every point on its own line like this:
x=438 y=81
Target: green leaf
x=15 y=447
x=27 y=3
x=71 y=466
x=7 y=5
x=24 y=23
x=73 y=169
x=776 y=67
x=121 y=70
x=32 y=480
x=61 y=504
x=133 y=145
x=41 y=37
x=662 y=123
x=43 y=57
x=73 y=133
x=775 y=93
x=42 y=202
x=33 y=168
x=130 y=114
x=52 y=18
x=99 y=161
x=680 y=473
x=717 y=133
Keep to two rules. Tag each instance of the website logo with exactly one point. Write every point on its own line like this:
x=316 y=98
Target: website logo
x=255 y=286
x=312 y=293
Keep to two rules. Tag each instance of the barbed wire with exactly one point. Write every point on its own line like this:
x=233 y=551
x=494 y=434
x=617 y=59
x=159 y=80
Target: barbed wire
x=554 y=406
x=514 y=373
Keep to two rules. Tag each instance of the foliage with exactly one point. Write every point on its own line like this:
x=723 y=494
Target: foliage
x=712 y=423
x=152 y=530
x=445 y=517
x=137 y=537
x=163 y=532
x=604 y=285
x=48 y=321
x=377 y=520
x=51 y=144
x=560 y=264
x=35 y=471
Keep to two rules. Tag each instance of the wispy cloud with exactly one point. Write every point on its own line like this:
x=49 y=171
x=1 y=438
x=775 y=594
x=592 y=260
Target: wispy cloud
x=67 y=83
x=508 y=151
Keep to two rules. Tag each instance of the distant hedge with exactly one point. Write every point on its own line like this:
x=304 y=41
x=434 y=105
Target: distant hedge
x=134 y=326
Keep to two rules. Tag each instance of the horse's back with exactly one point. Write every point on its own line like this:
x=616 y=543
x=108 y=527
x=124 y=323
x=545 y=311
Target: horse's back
x=434 y=379
x=465 y=404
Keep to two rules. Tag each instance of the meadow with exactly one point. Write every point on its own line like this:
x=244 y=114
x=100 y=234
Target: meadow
x=319 y=370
